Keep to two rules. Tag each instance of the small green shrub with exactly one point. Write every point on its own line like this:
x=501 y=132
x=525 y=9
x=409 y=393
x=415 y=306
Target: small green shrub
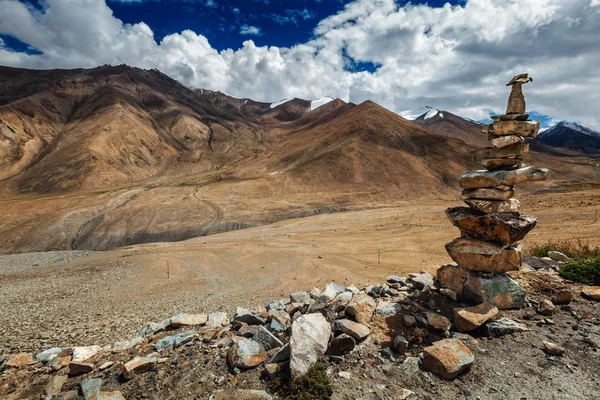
x=573 y=249
x=315 y=385
x=583 y=271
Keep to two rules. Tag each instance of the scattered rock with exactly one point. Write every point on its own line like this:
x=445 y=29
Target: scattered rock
x=315 y=293
x=447 y=358
x=300 y=297
x=266 y=339
x=385 y=308
x=562 y=296
x=248 y=330
x=152 y=328
x=188 y=320
x=48 y=355
x=591 y=292
x=504 y=326
x=437 y=321
x=329 y=293
x=468 y=319
x=175 y=341
x=345 y=374
x=106 y=365
x=54 y=386
x=308 y=342
x=357 y=330
x=109 y=396
x=558 y=256
x=85 y=353
x=409 y=320
x=245 y=316
x=90 y=387
x=242 y=394
x=552 y=349
x=79 y=368
x=419 y=281
x=448 y=293
x=20 y=360
x=283 y=354
x=396 y=279
x=280 y=316
x=341 y=345
x=546 y=307
x=217 y=319
x=361 y=307
x=246 y=353
x=139 y=365
x=400 y=344
x=273 y=369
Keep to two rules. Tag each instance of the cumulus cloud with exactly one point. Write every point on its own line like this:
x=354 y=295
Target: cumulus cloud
x=456 y=58
x=250 y=30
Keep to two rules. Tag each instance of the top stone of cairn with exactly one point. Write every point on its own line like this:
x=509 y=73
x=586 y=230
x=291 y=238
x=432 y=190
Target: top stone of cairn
x=516 y=100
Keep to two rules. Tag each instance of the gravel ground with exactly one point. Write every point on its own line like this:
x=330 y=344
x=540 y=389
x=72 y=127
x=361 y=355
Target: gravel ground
x=27 y=262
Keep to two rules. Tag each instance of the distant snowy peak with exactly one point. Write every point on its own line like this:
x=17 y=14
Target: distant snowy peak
x=280 y=102
x=571 y=136
x=558 y=128
x=421 y=113
x=319 y=102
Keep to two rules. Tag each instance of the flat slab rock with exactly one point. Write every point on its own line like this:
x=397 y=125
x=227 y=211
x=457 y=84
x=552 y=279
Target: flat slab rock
x=478 y=255
x=488 y=194
x=490 y=179
x=494 y=206
x=499 y=289
x=447 y=358
x=468 y=319
x=522 y=128
x=503 y=228
x=499 y=164
x=512 y=151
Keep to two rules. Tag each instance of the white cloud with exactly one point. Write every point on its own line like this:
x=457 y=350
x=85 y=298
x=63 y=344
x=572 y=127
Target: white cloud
x=457 y=58
x=250 y=30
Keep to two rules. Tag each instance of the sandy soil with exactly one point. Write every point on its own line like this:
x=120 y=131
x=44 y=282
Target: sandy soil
x=104 y=296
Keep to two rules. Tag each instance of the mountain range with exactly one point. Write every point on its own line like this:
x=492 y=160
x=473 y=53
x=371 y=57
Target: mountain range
x=115 y=155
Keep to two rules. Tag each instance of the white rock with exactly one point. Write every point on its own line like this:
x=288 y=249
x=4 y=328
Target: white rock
x=558 y=256
x=217 y=319
x=85 y=353
x=309 y=340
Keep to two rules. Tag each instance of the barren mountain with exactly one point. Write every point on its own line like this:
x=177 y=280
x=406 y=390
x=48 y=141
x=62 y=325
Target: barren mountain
x=112 y=156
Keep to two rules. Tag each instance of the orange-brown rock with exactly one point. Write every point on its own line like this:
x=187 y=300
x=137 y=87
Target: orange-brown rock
x=521 y=128
x=246 y=353
x=505 y=228
x=447 y=358
x=468 y=319
x=20 y=360
x=483 y=256
x=361 y=307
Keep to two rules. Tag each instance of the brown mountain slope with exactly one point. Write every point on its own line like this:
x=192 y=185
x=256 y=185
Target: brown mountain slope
x=95 y=159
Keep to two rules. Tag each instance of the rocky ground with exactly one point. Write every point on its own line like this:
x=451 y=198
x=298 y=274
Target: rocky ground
x=401 y=339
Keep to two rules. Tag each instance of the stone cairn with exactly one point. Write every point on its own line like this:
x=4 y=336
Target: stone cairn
x=492 y=225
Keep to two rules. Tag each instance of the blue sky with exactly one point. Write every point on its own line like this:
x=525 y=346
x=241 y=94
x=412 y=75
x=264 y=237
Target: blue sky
x=454 y=56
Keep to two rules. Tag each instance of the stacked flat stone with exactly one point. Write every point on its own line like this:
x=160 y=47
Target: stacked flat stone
x=492 y=226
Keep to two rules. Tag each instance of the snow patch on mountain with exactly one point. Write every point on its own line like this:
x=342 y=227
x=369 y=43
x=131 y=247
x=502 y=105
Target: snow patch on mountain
x=319 y=102
x=280 y=102
x=420 y=113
